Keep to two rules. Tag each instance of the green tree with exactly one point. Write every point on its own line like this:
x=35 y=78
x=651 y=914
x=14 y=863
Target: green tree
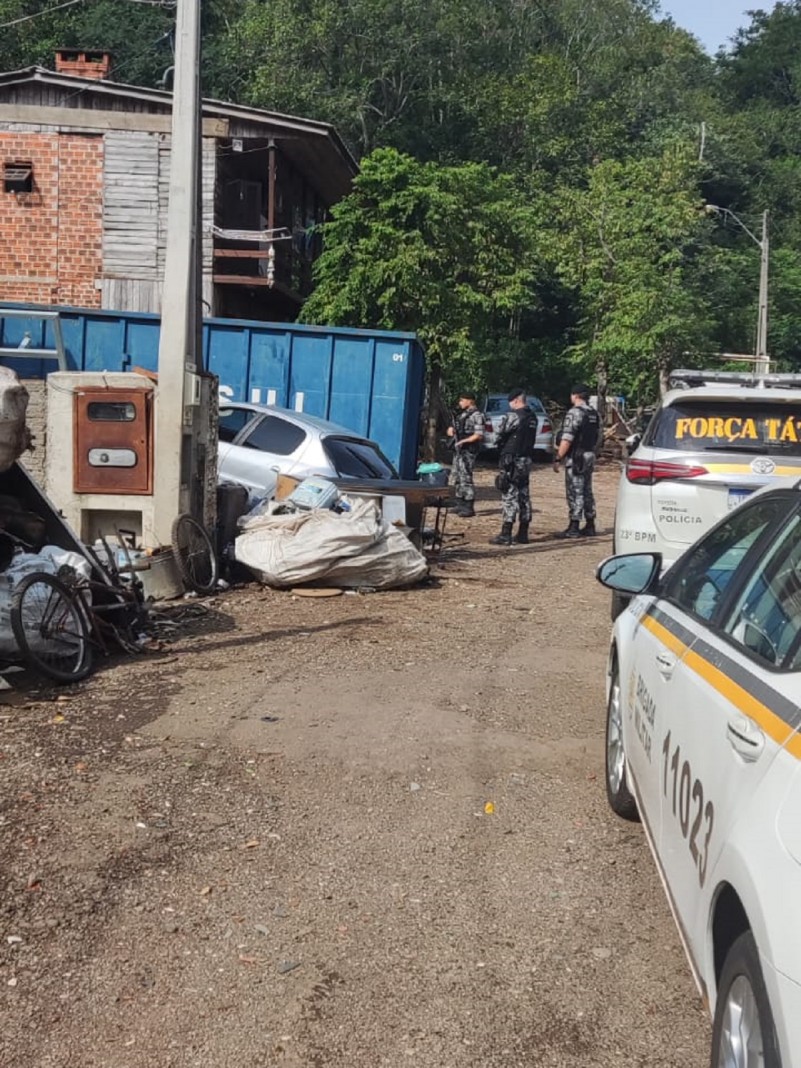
x=139 y=36
x=446 y=252
x=628 y=245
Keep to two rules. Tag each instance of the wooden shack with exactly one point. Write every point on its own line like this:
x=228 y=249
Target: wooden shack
x=83 y=201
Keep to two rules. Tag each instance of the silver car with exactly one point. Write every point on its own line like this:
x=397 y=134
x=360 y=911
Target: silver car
x=258 y=442
x=496 y=406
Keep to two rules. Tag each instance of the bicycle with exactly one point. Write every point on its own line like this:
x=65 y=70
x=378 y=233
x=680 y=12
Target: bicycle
x=194 y=555
x=59 y=621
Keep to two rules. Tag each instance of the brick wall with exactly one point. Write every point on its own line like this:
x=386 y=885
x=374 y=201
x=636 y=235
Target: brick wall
x=51 y=239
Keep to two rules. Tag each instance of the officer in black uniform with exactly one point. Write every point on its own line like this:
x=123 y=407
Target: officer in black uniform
x=578 y=442
x=516 y=435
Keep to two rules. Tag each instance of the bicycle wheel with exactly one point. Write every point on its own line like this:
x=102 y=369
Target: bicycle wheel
x=194 y=555
x=51 y=628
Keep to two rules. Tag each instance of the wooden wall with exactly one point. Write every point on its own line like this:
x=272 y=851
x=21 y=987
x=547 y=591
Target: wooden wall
x=135 y=206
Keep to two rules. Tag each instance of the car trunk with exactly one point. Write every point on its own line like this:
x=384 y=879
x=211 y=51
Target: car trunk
x=721 y=450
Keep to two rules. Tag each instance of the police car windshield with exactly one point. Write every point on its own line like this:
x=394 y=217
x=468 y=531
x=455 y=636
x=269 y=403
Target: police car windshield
x=719 y=425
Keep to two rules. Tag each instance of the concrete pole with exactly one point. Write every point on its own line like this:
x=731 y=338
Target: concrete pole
x=762 y=363
x=180 y=309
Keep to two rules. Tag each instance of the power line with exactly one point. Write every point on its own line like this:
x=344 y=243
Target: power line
x=37 y=14
x=70 y=3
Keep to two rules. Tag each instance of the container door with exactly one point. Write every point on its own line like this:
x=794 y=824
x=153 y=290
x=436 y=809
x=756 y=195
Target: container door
x=113 y=441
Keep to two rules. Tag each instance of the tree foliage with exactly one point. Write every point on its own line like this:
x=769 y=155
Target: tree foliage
x=448 y=252
x=534 y=171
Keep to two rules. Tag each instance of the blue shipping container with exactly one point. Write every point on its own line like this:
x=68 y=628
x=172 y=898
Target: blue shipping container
x=369 y=381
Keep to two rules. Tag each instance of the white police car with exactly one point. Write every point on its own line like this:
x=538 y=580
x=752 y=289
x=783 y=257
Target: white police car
x=703 y=743
x=715 y=438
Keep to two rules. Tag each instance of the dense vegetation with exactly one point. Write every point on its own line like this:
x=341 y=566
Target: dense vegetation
x=536 y=174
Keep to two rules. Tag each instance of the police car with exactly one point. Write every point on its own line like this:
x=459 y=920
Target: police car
x=714 y=439
x=703 y=744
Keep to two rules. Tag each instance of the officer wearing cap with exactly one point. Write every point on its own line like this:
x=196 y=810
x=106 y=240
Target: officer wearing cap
x=516 y=436
x=577 y=444
x=467 y=433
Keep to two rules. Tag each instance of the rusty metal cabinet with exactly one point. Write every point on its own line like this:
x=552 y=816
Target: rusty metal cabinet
x=113 y=442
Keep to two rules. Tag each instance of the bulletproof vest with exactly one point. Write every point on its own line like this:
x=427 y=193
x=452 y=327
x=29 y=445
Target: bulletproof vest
x=521 y=442
x=587 y=437
x=461 y=427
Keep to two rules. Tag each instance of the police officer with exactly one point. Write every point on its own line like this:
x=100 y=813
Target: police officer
x=516 y=435
x=467 y=433
x=578 y=442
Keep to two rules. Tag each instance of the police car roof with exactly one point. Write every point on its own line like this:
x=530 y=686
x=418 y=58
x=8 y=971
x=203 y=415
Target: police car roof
x=733 y=392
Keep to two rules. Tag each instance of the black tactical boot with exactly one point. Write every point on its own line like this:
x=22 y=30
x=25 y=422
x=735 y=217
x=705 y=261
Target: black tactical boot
x=572 y=530
x=465 y=509
x=589 y=530
x=522 y=534
x=505 y=536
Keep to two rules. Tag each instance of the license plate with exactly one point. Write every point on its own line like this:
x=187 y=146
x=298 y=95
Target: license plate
x=737 y=496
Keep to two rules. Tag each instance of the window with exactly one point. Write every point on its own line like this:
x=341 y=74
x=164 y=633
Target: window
x=276 y=435
x=111 y=411
x=767 y=617
x=357 y=459
x=699 y=580
x=698 y=425
x=18 y=177
x=231 y=421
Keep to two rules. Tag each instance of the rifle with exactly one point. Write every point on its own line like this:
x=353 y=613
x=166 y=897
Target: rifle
x=455 y=415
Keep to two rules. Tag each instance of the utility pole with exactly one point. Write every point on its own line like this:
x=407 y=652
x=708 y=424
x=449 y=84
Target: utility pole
x=762 y=363
x=181 y=316
x=761 y=358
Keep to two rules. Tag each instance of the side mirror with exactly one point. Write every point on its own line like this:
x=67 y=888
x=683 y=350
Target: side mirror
x=633 y=441
x=632 y=573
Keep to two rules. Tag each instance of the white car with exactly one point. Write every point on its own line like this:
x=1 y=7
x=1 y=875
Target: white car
x=496 y=406
x=258 y=442
x=712 y=441
x=703 y=743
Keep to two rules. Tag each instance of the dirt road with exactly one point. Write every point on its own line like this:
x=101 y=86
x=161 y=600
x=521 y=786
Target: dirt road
x=275 y=844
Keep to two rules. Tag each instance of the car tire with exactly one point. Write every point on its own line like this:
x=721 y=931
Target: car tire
x=744 y=1026
x=620 y=798
x=619 y=602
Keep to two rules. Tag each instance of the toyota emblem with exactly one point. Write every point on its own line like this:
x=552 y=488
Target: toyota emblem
x=763 y=465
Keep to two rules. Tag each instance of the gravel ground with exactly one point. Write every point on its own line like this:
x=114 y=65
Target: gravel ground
x=352 y=832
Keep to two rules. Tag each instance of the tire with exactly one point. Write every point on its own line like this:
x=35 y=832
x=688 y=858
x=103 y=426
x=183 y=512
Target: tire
x=618 y=794
x=619 y=602
x=51 y=628
x=194 y=555
x=744 y=1034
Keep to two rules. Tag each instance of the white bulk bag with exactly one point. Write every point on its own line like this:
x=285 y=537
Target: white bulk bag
x=14 y=436
x=356 y=548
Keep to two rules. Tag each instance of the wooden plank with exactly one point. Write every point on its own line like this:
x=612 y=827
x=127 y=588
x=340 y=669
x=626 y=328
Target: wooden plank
x=240 y=280
x=91 y=119
x=241 y=253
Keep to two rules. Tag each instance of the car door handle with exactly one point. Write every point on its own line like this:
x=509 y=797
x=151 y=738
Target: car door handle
x=745 y=738
x=666 y=664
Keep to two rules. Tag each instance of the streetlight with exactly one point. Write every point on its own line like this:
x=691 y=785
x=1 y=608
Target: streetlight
x=761 y=358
